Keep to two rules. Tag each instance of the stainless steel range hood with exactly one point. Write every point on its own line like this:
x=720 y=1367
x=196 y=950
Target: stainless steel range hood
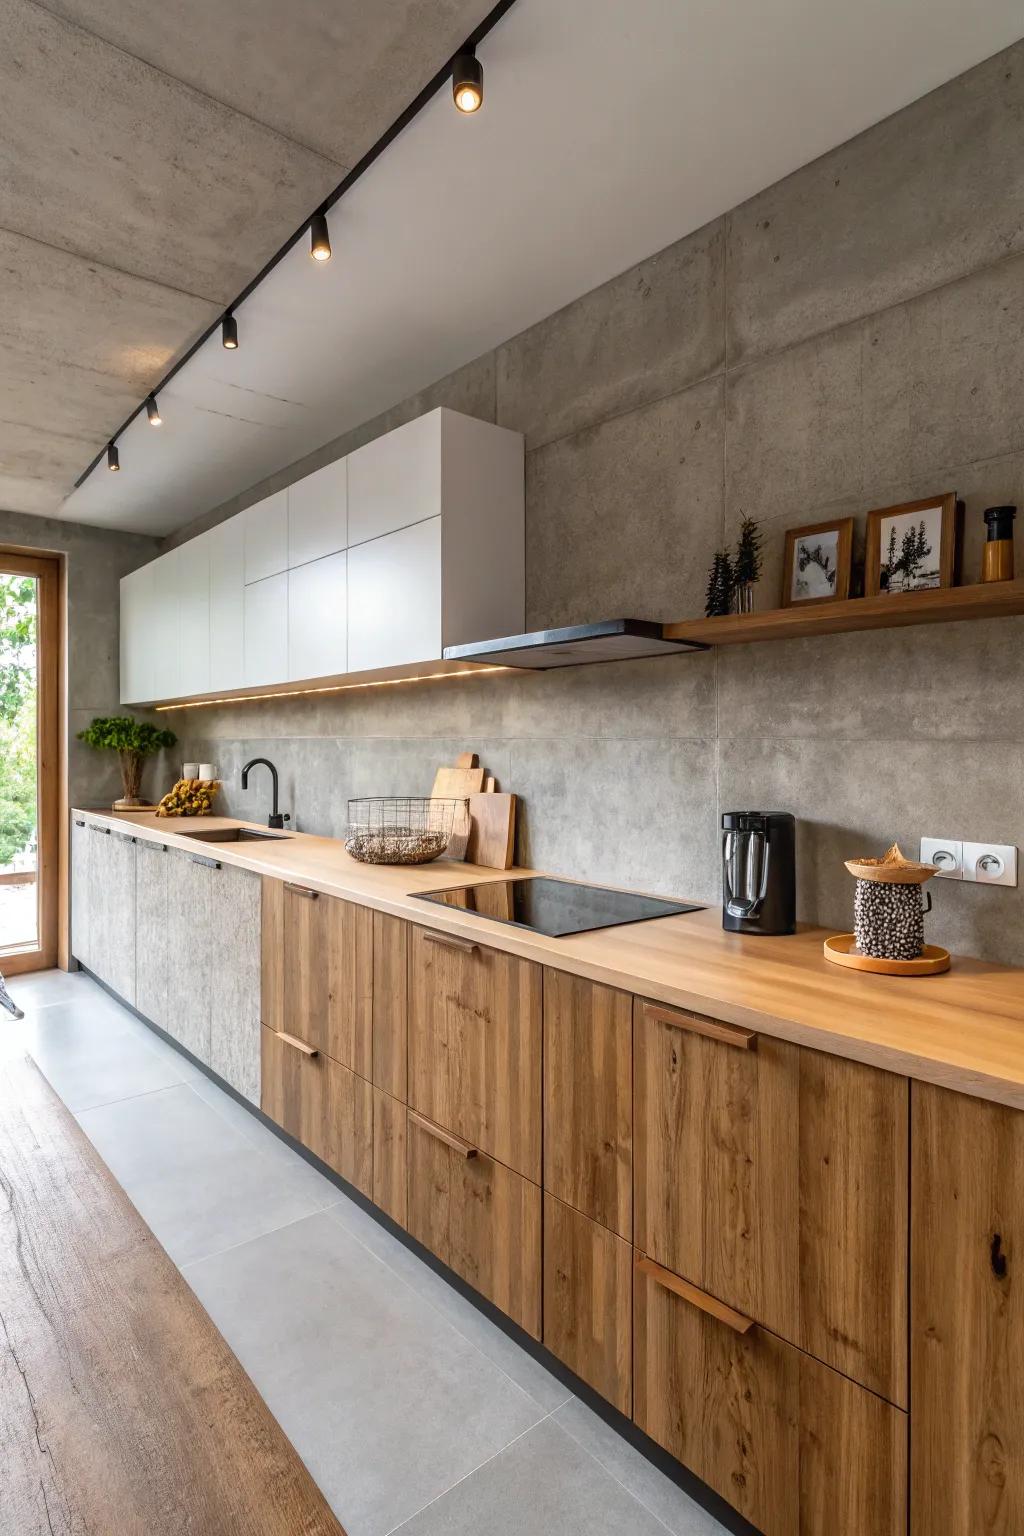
x=578 y=645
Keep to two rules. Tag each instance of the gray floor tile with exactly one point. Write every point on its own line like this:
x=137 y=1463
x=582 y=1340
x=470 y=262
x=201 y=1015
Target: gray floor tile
x=91 y=1056
x=264 y=1141
x=387 y=1404
x=39 y=989
x=198 y=1184
x=545 y=1389
x=654 y=1490
x=543 y=1485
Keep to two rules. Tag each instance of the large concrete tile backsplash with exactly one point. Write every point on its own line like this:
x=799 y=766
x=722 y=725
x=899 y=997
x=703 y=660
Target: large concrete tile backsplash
x=850 y=338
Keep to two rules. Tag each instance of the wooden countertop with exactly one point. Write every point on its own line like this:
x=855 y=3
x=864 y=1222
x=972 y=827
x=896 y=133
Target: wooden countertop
x=963 y=1030
x=122 y=1408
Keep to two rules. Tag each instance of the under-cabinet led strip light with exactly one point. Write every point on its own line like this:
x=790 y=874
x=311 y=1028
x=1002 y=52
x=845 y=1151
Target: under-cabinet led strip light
x=296 y=693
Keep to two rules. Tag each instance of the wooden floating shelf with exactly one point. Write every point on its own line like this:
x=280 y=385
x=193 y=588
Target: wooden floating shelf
x=936 y=605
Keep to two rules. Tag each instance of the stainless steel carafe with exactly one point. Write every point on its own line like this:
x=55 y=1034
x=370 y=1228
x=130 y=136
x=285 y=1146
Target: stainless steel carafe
x=758 y=872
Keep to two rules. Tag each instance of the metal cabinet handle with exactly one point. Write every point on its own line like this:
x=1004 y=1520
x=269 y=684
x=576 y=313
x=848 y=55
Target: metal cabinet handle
x=696 y=1297
x=301 y=890
x=94 y=828
x=197 y=858
x=79 y=823
x=463 y=1148
x=449 y=940
x=296 y=1044
x=714 y=1029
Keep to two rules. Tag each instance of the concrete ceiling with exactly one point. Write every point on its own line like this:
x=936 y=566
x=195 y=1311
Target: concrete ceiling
x=610 y=129
x=152 y=159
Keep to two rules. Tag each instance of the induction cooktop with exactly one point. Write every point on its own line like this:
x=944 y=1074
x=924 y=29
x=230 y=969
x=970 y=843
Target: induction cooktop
x=554 y=907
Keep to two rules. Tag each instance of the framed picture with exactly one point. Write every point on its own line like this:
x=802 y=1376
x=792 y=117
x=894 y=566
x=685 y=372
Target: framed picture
x=914 y=546
x=816 y=568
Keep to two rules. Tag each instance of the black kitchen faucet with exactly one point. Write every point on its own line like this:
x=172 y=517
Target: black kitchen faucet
x=276 y=819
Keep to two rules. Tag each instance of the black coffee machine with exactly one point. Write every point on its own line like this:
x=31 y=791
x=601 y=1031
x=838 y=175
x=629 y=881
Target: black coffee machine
x=758 y=872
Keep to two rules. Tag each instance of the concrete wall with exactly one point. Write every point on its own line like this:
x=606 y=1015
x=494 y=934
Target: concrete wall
x=852 y=337
x=96 y=561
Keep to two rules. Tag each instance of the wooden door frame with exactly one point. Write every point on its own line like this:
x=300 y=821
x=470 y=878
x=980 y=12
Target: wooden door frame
x=51 y=738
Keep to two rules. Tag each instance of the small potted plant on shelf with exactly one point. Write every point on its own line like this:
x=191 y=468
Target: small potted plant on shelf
x=747 y=564
x=718 y=598
x=133 y=741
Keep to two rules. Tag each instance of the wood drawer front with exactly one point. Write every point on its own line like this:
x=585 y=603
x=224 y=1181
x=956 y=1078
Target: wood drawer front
x=588 y=1301
x=776 y=1178
x=391 y=1005
x=390 y=1158
x=588 y=1098
x=967 y=1315
x=475 y=1046
x=322 y=1104
x=794 y=1446
x=480 y=1218
x=318 y=971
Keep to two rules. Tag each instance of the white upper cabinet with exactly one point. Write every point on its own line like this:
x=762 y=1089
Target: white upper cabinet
x=194 y=615
x=394 y=598
x=227 y=603
x=412 y=543
x=317 y=618
x=266 y=537
x=266 y=632
x=318 y=514
x=395 y=480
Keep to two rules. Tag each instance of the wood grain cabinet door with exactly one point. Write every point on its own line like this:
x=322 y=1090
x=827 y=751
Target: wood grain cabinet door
x=797 y=1448
x=588 y=1301
x=479 y=1217
x=321 y=1103
x=391 y=1005
x=588 y=1098
x=475 y=1046
x=318 y=971
x=967 y=1315
x=775 y=1178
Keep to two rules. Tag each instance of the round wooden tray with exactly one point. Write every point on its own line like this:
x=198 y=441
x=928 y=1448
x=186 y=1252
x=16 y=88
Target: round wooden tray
x=932 y=960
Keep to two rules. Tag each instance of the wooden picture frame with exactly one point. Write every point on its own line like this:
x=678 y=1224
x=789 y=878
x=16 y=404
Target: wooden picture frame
x=943 y=546
x=842 y=527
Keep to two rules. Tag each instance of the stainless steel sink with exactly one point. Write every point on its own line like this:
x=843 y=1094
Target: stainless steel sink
x=236 y=835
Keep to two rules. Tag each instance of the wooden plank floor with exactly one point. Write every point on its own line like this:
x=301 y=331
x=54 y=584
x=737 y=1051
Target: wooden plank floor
x=122 y=1410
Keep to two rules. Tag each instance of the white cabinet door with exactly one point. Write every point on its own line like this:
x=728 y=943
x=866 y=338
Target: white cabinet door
x=227 y=604
x=266 y=537
x=318 y=514
x=266 y=631
x=395 y=480
x=394 y=598
x=137 y=620
x=163 y=630
x=81 y=848
x=317 y=622
x=194 y=615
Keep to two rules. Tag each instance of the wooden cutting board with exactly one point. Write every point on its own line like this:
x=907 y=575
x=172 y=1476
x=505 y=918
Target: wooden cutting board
x=492 y=829
x=466 y=778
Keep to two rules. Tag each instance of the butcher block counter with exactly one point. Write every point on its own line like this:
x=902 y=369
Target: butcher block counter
x=963 y=1030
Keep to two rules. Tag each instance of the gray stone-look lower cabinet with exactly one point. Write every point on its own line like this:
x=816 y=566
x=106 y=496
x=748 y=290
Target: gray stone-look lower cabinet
x=235 y=979
x=108 y=882
x=177 y=935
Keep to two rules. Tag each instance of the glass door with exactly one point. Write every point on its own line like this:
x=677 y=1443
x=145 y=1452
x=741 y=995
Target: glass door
x=29 y=744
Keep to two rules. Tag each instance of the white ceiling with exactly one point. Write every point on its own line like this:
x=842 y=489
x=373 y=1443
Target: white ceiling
x=610 y=128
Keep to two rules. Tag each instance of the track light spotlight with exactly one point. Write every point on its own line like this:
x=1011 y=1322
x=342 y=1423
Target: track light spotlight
x=468 y=81
x=319 y=239
x=153 y=411
x=229 y=332
x=113 y=462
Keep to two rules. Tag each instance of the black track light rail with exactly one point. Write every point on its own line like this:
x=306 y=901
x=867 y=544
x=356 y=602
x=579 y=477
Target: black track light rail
x=400 y=123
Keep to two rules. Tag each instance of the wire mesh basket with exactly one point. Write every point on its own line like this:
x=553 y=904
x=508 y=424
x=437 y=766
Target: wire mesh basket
x=401 y=830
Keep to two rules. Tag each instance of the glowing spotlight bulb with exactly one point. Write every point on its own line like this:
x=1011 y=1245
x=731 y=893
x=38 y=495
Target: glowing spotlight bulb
x=468 y=82
x=153 y=412
x=319 y=239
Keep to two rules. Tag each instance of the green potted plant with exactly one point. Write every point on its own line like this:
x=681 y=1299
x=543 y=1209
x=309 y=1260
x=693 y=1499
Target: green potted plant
x=133 y=741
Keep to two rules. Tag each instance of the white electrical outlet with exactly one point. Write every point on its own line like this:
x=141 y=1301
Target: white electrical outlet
x=990 y=863
x=946 y=854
